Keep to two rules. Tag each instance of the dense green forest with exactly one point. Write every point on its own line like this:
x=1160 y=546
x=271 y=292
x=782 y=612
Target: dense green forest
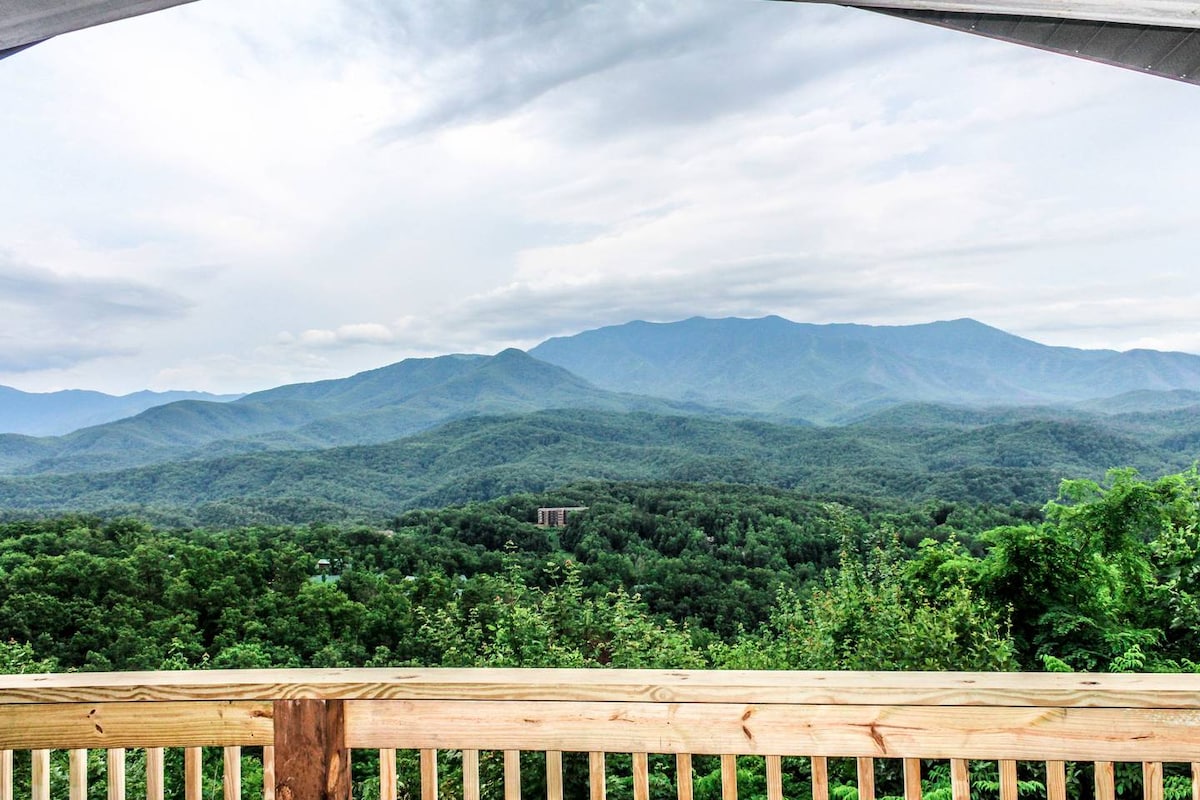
x=667 y=575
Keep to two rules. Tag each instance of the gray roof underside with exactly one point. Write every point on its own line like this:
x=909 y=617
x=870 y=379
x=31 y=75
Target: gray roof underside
x=1159 y=37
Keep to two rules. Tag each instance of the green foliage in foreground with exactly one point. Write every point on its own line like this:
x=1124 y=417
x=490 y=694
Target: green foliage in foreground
x=1107 y=580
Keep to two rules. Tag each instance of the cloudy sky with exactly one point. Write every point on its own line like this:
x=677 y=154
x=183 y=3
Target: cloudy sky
x=229 y=196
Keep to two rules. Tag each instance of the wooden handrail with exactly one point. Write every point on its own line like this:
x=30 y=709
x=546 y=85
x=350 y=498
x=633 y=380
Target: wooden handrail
x=309 y=721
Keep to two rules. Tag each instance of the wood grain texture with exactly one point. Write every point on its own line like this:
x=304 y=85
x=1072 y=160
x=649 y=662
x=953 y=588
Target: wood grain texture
x=312 y=761
x=40 y=774
x=512 y=775
x=684 y=786
x=597 y=777
x=429 y=775
x=1056 y=780
x=268 y=752
x=729 y=781
x=1106 y=781
x=387 y=774
x=912 y=779
x=1067 y=690
x=155 y=773
x=820 y=778
x=231 y=777
x=106 y=725
x=712 y=728
x=554 y=775
x=193 y=773
x=77 y=780
x=865 y=768
x=774 y=778
x=115 y=759
x=470 y=770
x=1008 y=780
x=960 y=779
x=1152 y=780
x=6 y=775
x=641 y=776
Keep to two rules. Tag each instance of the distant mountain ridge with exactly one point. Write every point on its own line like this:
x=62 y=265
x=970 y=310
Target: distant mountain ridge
x=56 y=413
x=825 y=372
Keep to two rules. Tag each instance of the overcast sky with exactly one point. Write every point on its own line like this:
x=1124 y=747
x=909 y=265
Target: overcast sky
x=230 y=196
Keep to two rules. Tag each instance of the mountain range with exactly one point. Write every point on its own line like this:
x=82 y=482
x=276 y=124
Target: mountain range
x=764 y=400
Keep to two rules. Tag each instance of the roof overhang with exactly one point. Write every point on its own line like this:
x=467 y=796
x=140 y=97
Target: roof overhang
x=1157 y=37
x=27 y=22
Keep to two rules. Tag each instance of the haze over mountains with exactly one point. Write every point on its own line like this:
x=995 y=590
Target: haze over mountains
x=914 y=409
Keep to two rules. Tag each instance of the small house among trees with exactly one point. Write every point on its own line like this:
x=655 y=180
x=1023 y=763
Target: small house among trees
x=556 y=517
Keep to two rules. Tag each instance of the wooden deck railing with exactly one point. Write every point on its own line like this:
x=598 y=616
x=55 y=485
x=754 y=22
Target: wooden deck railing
x=308 y=722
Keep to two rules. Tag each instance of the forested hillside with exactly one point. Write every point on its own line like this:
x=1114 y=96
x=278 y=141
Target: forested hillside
x=914 y=453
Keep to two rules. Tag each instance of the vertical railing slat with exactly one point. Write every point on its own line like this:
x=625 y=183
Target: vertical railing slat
x=912 y=779
x=554 y=775
x=683 y=776
x=77 y=775
x=231 y=781
x=1008 y=779
x=1195 y=781
x=960 y=779
x=1056 y=780
x=387 y=774
x=470 y=774
x=729 y=783
x=820 y=778
x=40 y=777
x=1106 y=781
x=193 y=776
x=6 y=775
x=866 y=778
x=641 y=776
x=268 y=772
x=155 y=773
x=774 y=778
x=429 y=774
x=597 y=780
x=116 y=773
x=512 y=775
x=1152 y=780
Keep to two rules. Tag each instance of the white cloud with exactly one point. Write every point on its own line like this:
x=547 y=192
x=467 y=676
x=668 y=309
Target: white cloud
x=378 y=180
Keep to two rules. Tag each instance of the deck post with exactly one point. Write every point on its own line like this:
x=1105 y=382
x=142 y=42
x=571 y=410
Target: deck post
x=312 y=761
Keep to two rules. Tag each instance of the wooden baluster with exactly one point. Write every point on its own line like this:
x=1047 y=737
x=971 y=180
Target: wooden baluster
x=40 y=779
x=683 y=776
x=231 y=783
x=597 y=779
x=960 y=779
x=1056 y=780
x=641 y=776
x=554 y=775
x=6 y=775
x=1008 y=779
x=155 y=787
x=1195 y=781
x=116 y=773
x=387 y=774
x=512 y=775
x=912 y=779
x=78 y=775
x=729 y=783
x=820 y=778
x=774 y=778
x=1152 y=780
x=312 y=761
x=193 y=773
x=269 y=772
x=470 y=775
x=866 y=778
x=429 y=775
x=1106 y=781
